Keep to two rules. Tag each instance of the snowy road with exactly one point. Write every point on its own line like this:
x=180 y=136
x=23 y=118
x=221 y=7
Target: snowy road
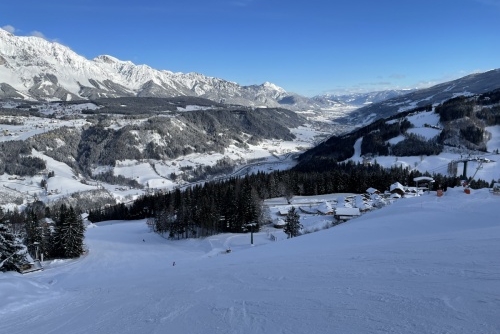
x=422 y=265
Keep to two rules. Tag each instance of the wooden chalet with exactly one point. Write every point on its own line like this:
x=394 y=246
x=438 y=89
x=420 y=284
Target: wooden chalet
x=397 y=188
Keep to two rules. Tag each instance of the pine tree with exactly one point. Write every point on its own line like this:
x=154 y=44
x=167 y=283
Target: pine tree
x=293 y=225
x=12 y=251
x=48 y=235
x=69 y=234
x=33 y=234
x=58 y=246
x=74 y=233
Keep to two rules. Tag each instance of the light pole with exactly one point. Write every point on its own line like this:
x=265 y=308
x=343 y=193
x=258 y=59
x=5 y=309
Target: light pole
x=251 y=225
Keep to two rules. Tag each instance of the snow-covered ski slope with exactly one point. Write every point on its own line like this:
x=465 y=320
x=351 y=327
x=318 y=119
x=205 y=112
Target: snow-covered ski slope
x=421 y=265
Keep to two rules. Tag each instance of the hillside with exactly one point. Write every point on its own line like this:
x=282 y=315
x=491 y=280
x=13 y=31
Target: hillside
x=459 y=127
x=123 y=147
x=472 y=84
x=421 y=265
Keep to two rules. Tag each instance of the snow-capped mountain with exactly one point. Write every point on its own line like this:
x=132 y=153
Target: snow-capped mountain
x=33 y=68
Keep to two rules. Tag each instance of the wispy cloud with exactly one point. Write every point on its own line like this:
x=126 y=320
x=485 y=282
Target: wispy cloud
x=39 y=34
x=9 y=28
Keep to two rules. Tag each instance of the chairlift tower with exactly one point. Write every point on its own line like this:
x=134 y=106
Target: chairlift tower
x=465 y=161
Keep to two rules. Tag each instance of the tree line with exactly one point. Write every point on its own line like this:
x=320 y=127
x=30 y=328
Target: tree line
x=43 y=234
x=233 y=204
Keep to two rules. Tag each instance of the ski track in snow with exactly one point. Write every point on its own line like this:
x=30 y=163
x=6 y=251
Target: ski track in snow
x=421 y=265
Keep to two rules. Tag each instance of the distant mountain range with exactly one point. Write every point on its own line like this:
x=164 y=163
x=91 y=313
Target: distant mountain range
x=32 y=68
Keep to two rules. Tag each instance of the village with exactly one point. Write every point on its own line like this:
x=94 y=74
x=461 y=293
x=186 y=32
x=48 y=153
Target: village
x=325 y=211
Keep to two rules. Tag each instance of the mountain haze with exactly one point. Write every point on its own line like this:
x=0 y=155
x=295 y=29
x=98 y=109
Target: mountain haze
x=360 y=99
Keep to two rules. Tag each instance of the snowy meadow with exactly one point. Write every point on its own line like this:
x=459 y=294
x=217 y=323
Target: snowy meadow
x=425 y=264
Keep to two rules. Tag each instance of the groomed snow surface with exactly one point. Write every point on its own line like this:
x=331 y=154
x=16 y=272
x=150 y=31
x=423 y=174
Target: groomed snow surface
x=426 y=264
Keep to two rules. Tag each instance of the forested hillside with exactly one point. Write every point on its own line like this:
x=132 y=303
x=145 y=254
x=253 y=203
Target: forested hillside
x=460 y=124
x=152 y=135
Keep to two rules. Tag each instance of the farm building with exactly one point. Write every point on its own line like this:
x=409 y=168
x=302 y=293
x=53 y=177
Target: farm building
x=346 y=213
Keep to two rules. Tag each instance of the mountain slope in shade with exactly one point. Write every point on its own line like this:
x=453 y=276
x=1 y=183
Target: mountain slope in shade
x=476 y=83
x=33 y=68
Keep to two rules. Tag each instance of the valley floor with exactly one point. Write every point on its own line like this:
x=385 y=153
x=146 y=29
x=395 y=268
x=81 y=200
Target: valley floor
x=421 y=265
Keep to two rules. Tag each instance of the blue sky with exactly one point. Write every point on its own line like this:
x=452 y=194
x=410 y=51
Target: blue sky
x=308 y=47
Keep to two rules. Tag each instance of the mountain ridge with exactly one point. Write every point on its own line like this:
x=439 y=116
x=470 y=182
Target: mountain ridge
x=32 y=68
x=472 y=84
x=36 y=69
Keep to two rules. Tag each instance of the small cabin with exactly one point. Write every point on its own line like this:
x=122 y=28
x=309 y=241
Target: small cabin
x=397 y=188
x=346 y=213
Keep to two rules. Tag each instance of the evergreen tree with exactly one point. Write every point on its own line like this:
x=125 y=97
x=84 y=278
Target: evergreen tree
x=34 y=235
x=293 y=225
x=58 y=250
x=69 y=234
x=12 y=251
x=74 y=233
x=47 y=247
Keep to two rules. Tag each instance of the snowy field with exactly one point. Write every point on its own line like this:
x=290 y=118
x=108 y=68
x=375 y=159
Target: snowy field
x=426 y=264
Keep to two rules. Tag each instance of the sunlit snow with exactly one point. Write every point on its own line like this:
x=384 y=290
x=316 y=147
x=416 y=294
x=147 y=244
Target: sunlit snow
x=426 y=264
